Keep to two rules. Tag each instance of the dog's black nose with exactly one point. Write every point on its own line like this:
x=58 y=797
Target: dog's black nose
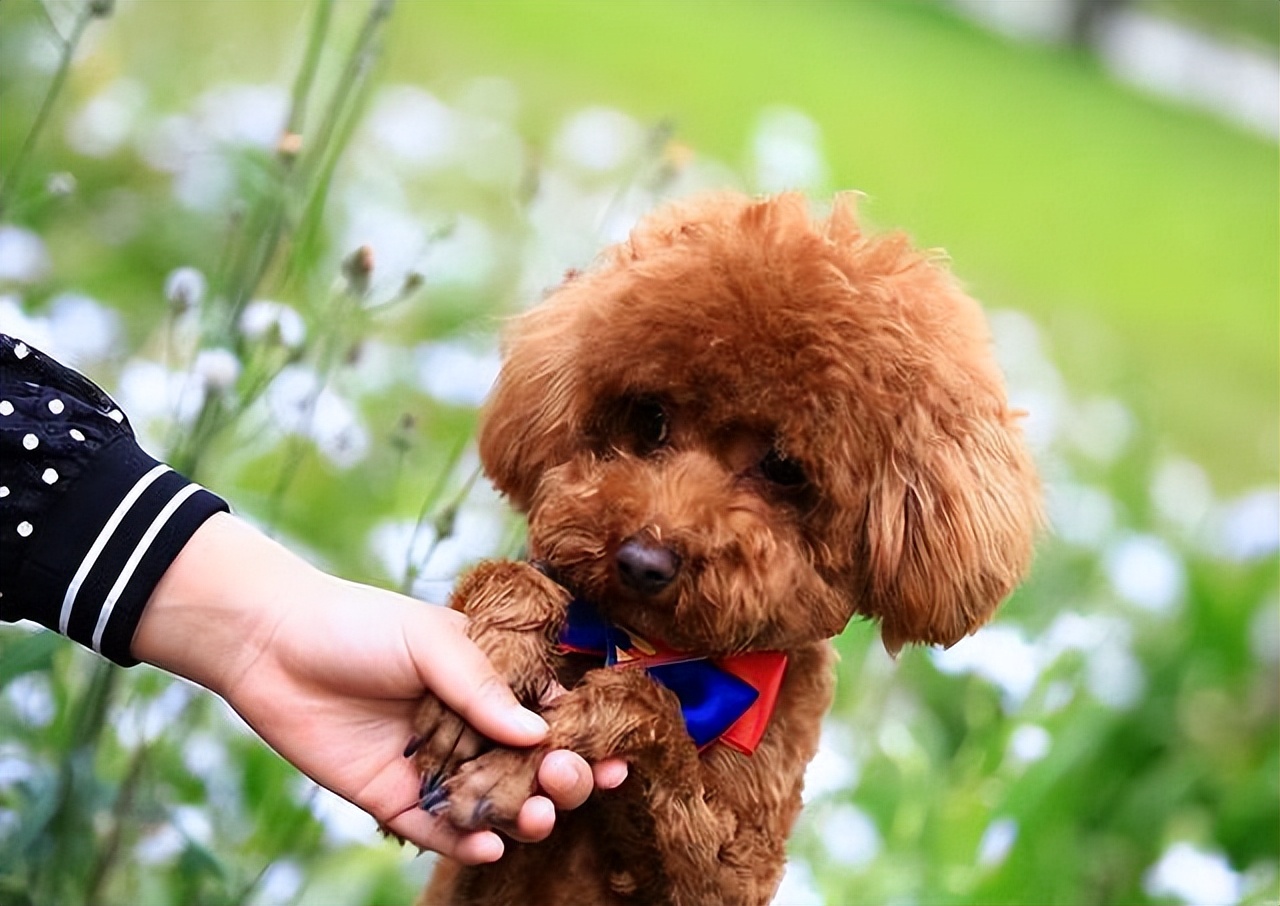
x=647 y=566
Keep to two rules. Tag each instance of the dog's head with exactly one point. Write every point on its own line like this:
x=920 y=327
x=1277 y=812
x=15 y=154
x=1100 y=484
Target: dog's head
x=742 y=427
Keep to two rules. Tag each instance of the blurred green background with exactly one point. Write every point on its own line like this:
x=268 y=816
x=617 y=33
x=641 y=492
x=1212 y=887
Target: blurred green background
x=1112 y=738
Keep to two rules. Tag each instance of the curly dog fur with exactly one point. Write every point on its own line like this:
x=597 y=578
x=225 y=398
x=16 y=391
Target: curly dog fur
x=737 y=431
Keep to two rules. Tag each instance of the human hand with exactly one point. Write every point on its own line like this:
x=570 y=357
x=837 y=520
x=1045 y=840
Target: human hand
x=329 y=673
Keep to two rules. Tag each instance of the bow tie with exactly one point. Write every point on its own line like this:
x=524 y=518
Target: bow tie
x=722 y=699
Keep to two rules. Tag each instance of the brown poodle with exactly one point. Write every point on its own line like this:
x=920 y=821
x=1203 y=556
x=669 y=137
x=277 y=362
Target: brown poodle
x=738 y=430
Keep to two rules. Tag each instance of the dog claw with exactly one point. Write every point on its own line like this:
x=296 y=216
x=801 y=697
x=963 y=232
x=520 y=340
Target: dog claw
x=482 y=813
x=435 y=801
x=415 y=742
x=430 y=783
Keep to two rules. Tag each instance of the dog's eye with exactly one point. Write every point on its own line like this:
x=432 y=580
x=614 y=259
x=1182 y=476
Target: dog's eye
x=782 y=471
x=648 y=424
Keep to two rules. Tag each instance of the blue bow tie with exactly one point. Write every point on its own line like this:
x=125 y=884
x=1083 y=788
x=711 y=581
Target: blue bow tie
x=713 y=693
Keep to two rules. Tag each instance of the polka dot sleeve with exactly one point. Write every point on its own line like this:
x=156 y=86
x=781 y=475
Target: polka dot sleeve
x=88 y=521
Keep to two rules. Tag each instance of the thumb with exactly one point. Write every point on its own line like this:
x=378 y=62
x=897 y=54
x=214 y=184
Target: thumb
x=457 y=671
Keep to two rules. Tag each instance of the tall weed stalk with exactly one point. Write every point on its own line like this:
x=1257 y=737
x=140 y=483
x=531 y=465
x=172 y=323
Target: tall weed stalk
x=82 y=825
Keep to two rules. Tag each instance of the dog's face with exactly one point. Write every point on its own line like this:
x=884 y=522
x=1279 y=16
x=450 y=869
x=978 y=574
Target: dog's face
x=744 y=427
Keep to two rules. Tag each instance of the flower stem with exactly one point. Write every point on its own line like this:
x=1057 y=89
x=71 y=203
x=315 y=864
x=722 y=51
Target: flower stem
x=10 y=182
x=310 y=63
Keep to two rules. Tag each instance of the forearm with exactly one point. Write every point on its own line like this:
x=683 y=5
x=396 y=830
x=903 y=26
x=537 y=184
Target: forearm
x=216 y=608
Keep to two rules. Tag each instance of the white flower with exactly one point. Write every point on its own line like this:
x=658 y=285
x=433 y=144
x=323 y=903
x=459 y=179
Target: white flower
x=303 y=406
x=205 y=754
x=996 y=842
x=218 y=369
x=1264 y=632
x=159 y=845
x=1029 y=743
x=1249 y=526
x=184 y=288
x=410 y=125
x=599 y=139
x=271 y=321
x=1193 y=876
x=499 y=155
x=36 y=331
x=834 y=766
x=15 y=766
x=142 y=721
x=31 y=699
x=86 y=330
x=243 y=114
x=193 y=823
x=1182 y=494
x=1081 y=514
x=850 y=837
x=1112 y=674
x=104 y=124
x=456 y=373
x=280 y=882
x=60 y=184
x=23 y=257
x=1145 y=571
x=149 y=392
x=798 y=886
x=342 y=821
x=467 y=256
x=480 y=527
x=999 y=654
x=787 y=148
x=398 y=542
x=1101 y=428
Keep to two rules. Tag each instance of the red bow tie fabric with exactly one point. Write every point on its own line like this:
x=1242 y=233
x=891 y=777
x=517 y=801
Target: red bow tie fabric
x=722 y=699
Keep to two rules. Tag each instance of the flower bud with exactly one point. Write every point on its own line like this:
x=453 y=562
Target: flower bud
x=184 y=288
x=357 y=268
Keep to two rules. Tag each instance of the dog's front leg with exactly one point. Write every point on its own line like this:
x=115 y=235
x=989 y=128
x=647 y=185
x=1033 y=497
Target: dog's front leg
x=690 y=849
x=514 y=615
x=682 y=853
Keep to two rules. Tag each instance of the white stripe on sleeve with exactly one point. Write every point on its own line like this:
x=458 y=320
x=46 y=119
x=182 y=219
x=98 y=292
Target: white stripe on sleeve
x=144 y=543
x=104 y=536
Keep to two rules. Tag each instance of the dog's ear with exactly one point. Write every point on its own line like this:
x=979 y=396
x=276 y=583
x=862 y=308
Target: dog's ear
x=951 y=522
x=533 y=412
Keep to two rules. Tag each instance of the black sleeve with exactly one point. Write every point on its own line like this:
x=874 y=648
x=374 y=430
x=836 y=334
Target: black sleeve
x=88 y=521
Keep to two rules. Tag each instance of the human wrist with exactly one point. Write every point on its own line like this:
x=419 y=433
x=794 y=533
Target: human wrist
x=215 y=609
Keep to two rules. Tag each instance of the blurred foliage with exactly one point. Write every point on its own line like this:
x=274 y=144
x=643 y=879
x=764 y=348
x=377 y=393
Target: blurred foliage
x=1139 y=232
x=290 y=276
x=1255 y=20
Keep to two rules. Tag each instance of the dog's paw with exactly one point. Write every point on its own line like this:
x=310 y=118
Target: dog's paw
x=442 y=741
x=487 y=791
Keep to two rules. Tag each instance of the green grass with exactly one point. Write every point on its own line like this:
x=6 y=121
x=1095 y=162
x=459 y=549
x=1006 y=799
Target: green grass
x=1143 y=236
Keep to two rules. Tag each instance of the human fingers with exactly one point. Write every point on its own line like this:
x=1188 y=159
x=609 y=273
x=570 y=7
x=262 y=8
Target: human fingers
x=434 y=833
x=536 y=819
x=457 y=671
x=610 y=773
x=394 y=798
x=566 y=778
